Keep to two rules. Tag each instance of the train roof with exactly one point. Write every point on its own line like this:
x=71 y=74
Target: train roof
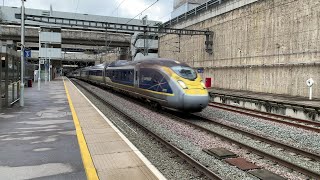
x=124 y=63
x=96 y=67
x=154 y=61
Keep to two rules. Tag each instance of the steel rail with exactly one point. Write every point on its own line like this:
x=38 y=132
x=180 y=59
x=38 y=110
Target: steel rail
x=303 y=126
x=167 y=143
x=283 y=162
x=216 y=94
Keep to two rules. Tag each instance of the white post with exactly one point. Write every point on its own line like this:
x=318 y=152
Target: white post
x=22 y=56
x=39 y=72
x=49 y=64
x=310 y=83
x=35 y=76
x=45 y=67
x=310 y=93
x=39 y=69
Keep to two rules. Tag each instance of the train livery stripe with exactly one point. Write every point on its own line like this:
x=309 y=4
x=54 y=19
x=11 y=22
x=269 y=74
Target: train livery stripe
x=132 y=87
x=85 y=154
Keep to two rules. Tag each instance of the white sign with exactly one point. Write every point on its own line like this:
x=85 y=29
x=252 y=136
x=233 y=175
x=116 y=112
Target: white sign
x=41 y=61
x=310 y=82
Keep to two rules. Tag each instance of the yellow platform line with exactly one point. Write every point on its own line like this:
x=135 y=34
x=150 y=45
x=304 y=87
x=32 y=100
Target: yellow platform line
x=85 y=154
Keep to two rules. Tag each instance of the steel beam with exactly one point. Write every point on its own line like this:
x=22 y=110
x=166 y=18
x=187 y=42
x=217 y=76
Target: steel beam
x=86 y=24
x=106 y=25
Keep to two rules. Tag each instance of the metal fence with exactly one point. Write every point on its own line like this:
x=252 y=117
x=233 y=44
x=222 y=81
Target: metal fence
x=9 y=76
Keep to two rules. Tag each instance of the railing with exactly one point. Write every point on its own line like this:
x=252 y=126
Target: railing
x=9 y=78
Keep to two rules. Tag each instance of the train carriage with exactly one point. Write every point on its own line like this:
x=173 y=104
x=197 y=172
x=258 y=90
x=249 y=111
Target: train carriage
x=161 y=82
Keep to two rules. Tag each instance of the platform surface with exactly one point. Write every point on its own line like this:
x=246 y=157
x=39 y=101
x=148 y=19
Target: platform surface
x=60 y=134
x=39 y=140
x=113 y=156
x=297 y=100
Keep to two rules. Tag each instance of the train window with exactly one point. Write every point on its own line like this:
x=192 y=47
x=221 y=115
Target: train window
x=124 y=75
x=131 y=75
x=185 y=72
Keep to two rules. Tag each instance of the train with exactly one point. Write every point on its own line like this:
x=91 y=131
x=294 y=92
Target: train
x=161 y=82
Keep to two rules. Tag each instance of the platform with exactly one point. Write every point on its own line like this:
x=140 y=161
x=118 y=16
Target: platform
x=60 y=134
x=113 y=155
x=39 y=140
x=295 y=106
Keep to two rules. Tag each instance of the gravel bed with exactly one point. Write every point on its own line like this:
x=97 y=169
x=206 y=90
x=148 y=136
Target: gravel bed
x=184 y=137
x=300 y=138
x=297 y=159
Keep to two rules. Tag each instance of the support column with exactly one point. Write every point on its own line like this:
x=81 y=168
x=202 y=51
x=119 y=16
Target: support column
x=22 y=56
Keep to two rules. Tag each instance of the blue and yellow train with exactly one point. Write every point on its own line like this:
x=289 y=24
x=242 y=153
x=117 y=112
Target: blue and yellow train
x=161 y=82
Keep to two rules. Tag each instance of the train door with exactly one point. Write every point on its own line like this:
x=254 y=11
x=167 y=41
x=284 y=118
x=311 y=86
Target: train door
x=136 y=75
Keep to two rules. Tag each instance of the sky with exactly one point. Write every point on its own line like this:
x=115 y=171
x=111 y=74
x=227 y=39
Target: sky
x=160 y=11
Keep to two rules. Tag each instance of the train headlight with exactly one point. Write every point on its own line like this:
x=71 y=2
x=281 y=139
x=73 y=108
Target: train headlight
x=202 y=84
x=182 y=84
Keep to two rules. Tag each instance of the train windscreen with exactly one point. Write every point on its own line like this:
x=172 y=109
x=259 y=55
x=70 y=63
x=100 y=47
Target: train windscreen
x=185 y=72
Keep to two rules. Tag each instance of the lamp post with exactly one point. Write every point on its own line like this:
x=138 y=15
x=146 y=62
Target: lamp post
x=22 y=56
x=49 y=64
x=45 y=64
x=39 y=69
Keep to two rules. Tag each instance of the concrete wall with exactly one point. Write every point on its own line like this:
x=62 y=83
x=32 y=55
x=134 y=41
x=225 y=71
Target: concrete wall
x=109 y=58
x=266 y=46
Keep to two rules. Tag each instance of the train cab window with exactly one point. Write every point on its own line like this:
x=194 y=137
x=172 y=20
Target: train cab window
x=153 y=80
x=185 y=72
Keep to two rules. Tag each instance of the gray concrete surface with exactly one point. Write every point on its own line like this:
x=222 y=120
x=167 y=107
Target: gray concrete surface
x=261 y=46
x=39 y=140
x=293 y=106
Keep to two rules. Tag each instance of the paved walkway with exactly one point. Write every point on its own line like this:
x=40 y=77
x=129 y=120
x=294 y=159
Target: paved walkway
x=39 y=140
x=104 y=148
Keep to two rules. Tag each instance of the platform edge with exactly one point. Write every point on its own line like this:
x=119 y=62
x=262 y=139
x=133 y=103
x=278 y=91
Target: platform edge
x=85 y=154
x=156 y=172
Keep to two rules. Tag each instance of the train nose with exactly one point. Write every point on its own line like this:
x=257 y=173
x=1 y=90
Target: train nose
x=195 y=103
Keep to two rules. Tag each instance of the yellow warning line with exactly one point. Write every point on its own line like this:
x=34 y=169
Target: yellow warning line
x=85 y=154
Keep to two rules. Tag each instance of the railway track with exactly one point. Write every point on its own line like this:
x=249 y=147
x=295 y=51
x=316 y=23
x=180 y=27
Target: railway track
x=295 y=122
x=210 y=174
x=188 y=120
x=299 y=123
x=206 y=171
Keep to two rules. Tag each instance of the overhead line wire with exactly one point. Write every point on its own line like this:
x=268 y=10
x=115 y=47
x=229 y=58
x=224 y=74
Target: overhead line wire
x=143 y=11
x=134 y=17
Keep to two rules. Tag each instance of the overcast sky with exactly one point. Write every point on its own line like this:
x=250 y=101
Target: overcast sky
x=160 y=11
